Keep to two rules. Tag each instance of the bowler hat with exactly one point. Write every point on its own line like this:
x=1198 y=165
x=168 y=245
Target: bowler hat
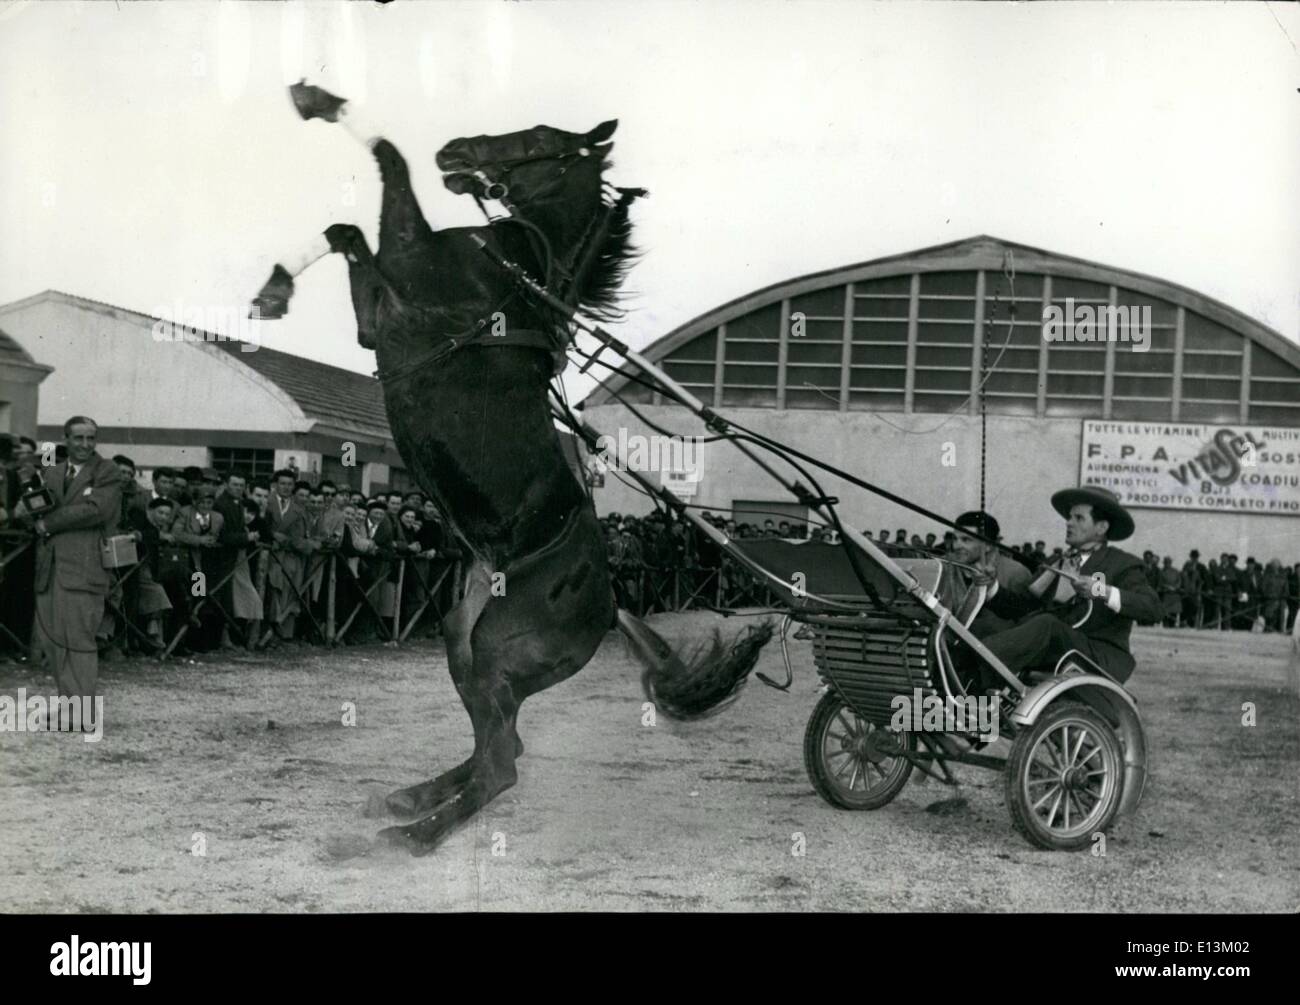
x=1105 y=506
x=981 y=523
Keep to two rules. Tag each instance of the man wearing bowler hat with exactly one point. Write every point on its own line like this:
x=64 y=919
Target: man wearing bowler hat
x=1092 y=613
x=982 y=564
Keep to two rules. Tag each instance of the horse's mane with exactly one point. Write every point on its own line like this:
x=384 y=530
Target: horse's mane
x=605 y=258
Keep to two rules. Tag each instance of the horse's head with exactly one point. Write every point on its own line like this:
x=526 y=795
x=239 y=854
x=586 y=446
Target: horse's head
x=552 y=180
x=529 y=166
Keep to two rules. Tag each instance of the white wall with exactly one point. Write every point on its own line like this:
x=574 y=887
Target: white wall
x=109 y=367
x=1027 y=460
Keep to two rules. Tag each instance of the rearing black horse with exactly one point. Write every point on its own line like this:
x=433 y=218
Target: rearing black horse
x=465 y=359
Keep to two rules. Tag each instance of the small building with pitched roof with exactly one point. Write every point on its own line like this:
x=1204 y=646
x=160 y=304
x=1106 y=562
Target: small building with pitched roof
x=20 y=383
x=165 y=396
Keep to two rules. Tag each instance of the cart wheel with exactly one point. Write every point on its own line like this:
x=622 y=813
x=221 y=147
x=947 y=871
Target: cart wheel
x=852 y=763
x=1065 y=777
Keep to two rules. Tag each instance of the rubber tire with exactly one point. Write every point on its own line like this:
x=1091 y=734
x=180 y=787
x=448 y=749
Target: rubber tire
x=1022 y=814
x=819 y=772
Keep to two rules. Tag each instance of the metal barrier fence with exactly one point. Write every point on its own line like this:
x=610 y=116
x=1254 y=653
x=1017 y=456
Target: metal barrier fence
x=388 y=595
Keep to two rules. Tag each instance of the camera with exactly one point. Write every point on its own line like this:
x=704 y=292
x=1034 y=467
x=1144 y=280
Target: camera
x=38 y=501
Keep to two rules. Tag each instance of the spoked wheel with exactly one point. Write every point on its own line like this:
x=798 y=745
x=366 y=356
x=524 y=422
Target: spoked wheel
x=1065 y=778
x=852 y=763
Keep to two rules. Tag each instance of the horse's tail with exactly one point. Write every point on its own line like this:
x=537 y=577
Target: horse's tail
x=702 y=684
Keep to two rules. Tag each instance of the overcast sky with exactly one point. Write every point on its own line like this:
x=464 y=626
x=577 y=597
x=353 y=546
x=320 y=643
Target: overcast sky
x=149 y=154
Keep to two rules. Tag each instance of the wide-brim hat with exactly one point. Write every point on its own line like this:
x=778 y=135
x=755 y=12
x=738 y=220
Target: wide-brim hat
x=1105 y=506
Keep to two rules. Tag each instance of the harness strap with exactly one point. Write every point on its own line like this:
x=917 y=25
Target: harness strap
x=480 y=335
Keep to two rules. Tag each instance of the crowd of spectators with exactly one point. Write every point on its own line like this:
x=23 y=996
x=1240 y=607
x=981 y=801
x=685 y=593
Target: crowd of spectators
x=227 y=562
x=647 y=553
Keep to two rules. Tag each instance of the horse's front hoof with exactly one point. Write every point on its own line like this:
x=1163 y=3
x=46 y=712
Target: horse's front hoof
x=272 y=302
x=315 y=102
x=264 y=309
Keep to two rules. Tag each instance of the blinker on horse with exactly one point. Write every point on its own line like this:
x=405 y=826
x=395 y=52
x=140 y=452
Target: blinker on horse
x=467 y=406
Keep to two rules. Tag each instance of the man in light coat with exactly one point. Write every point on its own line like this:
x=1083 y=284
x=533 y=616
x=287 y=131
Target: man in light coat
x=71 y=581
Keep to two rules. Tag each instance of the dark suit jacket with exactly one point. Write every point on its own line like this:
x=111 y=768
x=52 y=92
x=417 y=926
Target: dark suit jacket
x=1108 y=631
x=13 y=491
x=187 y=531
x=292 y=524
x=234 y=532
x=84 y=512
x=374 y=546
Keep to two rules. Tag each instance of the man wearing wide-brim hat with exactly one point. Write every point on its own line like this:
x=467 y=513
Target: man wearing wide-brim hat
x=1088 y=601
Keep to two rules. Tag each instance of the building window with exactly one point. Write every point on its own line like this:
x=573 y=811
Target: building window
x=878 y=360
x=1143 y=385
x=1012 y=342
x=1076 y=371
x=945 y=327
x=249 y=463
x=752 y=347
x=1274 y=389
x=1211 y=371
x=814 y=352
x=692 y=366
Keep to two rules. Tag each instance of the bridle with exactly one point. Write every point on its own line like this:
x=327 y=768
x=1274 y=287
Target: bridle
x=498 y=190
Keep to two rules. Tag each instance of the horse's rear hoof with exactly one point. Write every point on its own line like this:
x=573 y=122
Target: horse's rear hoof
x=315 y=102
x=408 y=838
x=401 y=804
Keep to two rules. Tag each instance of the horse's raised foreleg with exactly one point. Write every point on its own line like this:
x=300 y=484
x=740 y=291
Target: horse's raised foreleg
x=401 y=222
x=317 y=103
x=403 y=231
x=272 y=302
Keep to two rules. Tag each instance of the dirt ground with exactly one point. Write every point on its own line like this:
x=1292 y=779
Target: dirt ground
x=250 y=758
